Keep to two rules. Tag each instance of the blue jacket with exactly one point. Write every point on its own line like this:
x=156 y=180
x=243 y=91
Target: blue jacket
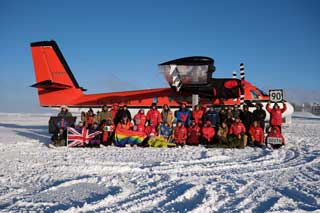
x=212 y=116
x=165 y=131
x=183 y=115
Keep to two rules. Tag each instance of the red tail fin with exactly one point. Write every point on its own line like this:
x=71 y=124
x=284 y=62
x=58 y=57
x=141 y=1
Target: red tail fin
x=55 y=81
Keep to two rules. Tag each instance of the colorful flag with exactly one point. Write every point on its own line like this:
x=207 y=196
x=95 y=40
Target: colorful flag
x=123 y=137
x=76 y=138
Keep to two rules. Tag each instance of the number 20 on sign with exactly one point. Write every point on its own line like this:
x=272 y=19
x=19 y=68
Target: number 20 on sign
x=276 y=95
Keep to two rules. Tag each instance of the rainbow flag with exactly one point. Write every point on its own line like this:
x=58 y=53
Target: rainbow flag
x=123 y=137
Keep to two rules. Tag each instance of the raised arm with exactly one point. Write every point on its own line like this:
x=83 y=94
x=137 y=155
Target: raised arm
x=284 y=107
x=268 y=107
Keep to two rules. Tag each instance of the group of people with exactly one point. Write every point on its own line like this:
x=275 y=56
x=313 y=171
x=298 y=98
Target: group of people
x=229 y=127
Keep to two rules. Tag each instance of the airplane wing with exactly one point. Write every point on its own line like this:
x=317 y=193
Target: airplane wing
x=189 y=71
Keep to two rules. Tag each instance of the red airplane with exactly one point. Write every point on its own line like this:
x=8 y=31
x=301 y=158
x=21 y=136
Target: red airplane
x=186 y=76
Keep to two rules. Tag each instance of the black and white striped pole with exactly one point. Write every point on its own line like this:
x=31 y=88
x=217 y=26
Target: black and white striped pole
x=242 y=77
x=242 y=71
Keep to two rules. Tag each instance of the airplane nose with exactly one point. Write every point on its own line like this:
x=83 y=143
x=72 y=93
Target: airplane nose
x=287 y=115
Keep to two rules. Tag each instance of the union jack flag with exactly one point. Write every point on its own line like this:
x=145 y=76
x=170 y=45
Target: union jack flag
x=76 y=138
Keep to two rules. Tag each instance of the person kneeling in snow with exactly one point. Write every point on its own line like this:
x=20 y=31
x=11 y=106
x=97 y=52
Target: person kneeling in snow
x=274 y=138
x=208 y=133
x=257 y=135
x=95 y=142
x=165 y=130
x=139 y=124
x=125 y=123
x=180 y=134
x=223 y=134
x=237 y=136
x=150 y=130
x=193 y=133
x=107 y=129
x=59 y=138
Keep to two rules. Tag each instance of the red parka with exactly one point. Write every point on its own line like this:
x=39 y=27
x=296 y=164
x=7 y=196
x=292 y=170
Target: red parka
x=237 y=128
x=154 y=116
x=105 y=133
x=276 y=135
x=180 y=135
x=89 y=120
x=140 y=128
x=141 y=117
x=114 y=110
x=197 y=116
x=151 y=131
x=193 y=134
x=208 y=133
x=257 y=134
x=276 y=114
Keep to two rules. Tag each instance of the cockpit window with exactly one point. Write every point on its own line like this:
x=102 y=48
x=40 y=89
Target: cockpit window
x=262 y=92
x=254 y=94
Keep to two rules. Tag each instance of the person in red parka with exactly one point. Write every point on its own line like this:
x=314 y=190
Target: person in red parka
x=141 y=117
x=180 y=134
x=140 y=127
x=114 y=110
x=257 y=135
x=107 y=128
x=208 y=133
x=150 y=130
x=275 y=133
x=237 y=128
x=197 y=114
x=237 y=136
x=90 y=119
x=193 y=134
x=154 y=115
x=276 y=114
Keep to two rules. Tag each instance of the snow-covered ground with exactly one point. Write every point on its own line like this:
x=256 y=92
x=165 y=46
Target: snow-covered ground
x=110 y=179
x=305 y=115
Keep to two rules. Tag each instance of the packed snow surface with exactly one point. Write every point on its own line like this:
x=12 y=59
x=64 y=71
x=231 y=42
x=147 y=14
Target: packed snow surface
x=131 y=179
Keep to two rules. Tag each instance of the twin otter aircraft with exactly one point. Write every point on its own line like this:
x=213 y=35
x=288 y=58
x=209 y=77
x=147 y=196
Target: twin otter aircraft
x=190 y=81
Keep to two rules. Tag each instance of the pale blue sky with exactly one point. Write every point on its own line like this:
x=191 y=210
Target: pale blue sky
x=116 y=45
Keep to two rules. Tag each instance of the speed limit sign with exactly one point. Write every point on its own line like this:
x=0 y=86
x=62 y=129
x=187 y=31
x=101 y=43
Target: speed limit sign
x=276 y=95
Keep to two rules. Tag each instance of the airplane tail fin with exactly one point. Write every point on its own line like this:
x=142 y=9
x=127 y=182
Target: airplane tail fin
x=54 y=80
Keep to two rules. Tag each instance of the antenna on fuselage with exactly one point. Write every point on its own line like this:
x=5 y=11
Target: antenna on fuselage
x=234 y=74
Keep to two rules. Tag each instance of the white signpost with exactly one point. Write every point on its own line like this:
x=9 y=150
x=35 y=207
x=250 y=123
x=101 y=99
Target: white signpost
x=274 y=141
x=276 y=95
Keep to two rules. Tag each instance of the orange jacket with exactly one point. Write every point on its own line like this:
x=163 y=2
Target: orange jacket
x=126 y=126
